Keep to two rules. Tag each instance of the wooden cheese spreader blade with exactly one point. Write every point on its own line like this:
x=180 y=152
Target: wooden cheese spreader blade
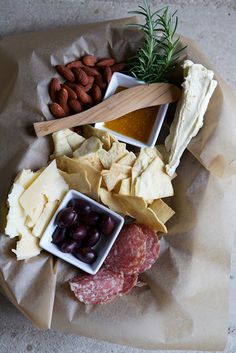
x=119 y=104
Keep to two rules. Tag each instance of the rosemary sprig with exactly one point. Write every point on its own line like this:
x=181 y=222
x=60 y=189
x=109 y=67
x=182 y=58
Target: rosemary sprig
x=158 y=55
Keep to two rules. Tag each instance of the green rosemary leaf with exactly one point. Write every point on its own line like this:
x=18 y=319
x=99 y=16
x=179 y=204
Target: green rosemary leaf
x=158 y=54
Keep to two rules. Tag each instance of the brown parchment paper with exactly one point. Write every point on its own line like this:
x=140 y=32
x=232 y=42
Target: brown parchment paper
x=185 y=302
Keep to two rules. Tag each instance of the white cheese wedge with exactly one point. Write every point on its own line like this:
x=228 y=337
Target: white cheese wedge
x=16 y=216
x=27 y=246
x=49 y=185
x=198 y=88
x=154 y=183
x=45 y=217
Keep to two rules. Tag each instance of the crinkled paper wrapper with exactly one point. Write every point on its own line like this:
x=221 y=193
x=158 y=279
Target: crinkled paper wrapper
x=185 y=302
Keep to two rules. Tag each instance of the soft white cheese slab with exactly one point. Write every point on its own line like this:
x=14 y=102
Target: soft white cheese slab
x=198 y=87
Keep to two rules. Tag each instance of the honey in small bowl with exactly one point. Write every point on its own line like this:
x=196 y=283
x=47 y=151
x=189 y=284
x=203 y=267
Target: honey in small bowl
x=137 y=124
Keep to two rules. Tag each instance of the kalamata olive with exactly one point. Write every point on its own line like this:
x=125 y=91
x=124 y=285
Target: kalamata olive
x=78 y=231
x=69 y=246
x=93 y=236
x=59 y=235
x=80 y=206
x=107 y=225
x=66 y=217
x=86 y=255
x=90 y=219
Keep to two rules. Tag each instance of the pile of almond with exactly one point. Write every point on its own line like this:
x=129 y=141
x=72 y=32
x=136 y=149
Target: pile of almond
x=85 y=85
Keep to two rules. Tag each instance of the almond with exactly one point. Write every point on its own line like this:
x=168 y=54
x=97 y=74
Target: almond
x=75 y=86
x=96 y=93
x=89 y=85
x=56 y=110
x=54 y=87
x=76 y=63
x=118 y=67
x=81 y=76
x=107 y=74
x=75 y=105
x=99 y=81
x=105 y=62
x=89 y=60
x=91 y=71
x=66 y=109
x=83 y=97
x=65 y=72
x=62 y=97
x=70 y=91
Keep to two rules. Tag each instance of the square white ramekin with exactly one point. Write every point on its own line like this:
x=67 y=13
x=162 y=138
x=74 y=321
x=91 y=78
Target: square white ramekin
x=121 y=80
x=102 y=248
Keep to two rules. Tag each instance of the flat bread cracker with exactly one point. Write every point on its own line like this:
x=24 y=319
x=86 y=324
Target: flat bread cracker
x=136 y=207
x=117 y=173
x=125 y=187
x=91 y=145
x=92 y=159
x=104 y=136
x=77 y=181
x=116 y=152
x=162 y=210
x=154 y=183
x=128 y=159
x=108 y=199
x=73 y=165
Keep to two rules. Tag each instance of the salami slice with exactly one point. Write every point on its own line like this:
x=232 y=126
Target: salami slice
x=130 y=282
x=98 y=289
x=152 y=248
x=129 y=251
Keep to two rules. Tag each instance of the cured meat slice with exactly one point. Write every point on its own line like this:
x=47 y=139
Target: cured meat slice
x=129 y=251
x=152 y=248
x=98 y=289
x=130 y=282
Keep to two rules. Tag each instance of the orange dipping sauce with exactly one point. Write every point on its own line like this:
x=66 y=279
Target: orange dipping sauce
x=137 y=124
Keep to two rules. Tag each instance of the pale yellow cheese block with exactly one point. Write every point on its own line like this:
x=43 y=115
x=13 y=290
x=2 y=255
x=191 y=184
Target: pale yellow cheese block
x=49 y=185
x=16 y=216
x=45 y=217
x=27 y=246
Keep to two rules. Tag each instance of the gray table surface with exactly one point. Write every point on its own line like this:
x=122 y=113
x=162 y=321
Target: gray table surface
x=212 y=24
